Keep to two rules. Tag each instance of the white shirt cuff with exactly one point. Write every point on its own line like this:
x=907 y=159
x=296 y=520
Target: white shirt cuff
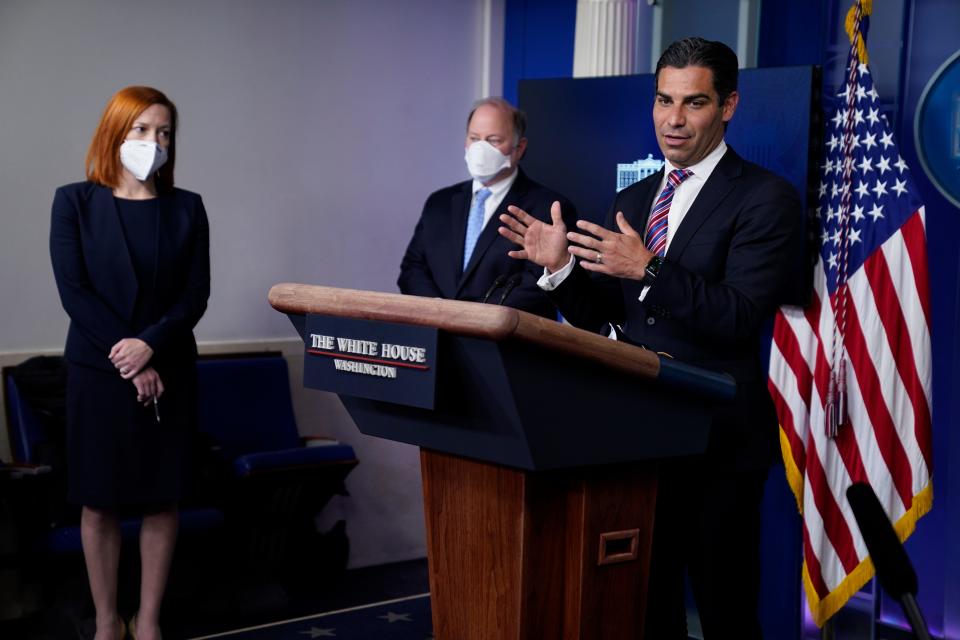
x=550 y=281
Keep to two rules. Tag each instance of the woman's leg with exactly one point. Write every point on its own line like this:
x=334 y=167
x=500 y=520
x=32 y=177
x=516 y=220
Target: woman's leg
x=100 y=535
x=157 y=539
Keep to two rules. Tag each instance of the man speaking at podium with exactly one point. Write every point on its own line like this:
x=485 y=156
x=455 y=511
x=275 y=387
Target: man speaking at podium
x=454 y=253
x=691 y=261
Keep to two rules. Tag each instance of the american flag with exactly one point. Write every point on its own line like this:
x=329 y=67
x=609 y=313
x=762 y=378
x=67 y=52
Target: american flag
x=850 y=373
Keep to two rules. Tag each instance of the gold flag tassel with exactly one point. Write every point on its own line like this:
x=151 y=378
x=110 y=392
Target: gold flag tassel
x=853 y=27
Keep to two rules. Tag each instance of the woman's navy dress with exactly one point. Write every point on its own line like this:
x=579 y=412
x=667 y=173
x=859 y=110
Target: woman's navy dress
x=120 y=455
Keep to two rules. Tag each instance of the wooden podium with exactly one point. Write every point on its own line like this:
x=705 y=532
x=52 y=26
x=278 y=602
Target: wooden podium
x=538 y=458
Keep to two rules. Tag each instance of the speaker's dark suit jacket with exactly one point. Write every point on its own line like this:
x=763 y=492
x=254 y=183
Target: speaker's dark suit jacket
x=98 y=286
x=723 y=276
x=433 y=263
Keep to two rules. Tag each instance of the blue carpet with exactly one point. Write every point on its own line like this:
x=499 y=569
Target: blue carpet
x=401 y=619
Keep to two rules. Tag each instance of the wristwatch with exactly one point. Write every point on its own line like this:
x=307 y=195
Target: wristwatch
x=652 y=270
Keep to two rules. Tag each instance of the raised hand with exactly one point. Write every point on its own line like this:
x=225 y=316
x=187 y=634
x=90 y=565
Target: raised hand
x=542 y=243
x=622 y=255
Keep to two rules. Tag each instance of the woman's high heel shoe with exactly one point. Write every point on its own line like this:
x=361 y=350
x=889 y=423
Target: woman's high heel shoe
x=132 y=627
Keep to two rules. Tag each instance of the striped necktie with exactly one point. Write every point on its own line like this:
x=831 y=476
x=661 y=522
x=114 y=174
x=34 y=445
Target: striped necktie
x=656 y=238
x=474 y=224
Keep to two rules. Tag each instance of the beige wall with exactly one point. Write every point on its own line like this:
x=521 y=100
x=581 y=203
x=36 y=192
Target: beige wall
x=314 y=129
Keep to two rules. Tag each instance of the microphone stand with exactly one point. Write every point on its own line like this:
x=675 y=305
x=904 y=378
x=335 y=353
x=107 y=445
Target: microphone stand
x=493 y=287
x=910 y=607
x=894 y=571
x=510 y=286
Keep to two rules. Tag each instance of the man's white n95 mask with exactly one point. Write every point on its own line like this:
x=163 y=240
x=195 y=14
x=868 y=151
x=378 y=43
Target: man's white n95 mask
x=142 y=158
x=484 y=160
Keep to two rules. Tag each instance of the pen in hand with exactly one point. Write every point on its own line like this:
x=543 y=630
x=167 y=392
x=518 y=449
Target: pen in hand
x=156 y=409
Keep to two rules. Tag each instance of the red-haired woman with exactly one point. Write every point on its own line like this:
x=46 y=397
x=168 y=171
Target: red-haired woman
x=131 y=259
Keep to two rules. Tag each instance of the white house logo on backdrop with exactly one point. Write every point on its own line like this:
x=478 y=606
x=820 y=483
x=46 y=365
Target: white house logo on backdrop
x=631 y=172
x=937 y=129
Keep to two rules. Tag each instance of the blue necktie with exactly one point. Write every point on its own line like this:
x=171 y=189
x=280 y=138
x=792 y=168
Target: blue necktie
x=474 y=224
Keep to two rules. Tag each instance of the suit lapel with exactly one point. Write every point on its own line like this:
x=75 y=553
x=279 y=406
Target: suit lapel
x=711 y=195
x=638 y=218
x=117 y=254
x=459 y=210
x=489 y=233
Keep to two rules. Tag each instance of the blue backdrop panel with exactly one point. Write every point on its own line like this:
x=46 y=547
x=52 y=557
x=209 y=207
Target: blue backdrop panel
x=932 y=38
x=538 y=41
x=580 y=129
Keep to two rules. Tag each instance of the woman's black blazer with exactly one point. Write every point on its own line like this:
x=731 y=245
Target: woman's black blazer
x=98 y=286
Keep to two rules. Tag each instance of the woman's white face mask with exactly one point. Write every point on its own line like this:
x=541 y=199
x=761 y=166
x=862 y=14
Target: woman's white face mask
x=142 y=158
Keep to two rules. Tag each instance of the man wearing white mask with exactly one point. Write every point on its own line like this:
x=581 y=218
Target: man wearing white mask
x=455 y=251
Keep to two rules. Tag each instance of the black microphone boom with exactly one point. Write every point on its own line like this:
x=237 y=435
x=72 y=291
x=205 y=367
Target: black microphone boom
x=894 y=571
x=496 y=285
x=510 y=286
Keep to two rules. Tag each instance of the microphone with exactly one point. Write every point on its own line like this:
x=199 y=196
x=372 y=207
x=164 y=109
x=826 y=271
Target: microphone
x=496 y=285
x=510 y=286
x=894 y=571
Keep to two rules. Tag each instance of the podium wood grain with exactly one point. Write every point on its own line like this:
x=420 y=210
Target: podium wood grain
x=517 y=555
x=487 y=321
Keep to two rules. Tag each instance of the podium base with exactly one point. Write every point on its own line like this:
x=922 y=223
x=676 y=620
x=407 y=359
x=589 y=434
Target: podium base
x=552 y=554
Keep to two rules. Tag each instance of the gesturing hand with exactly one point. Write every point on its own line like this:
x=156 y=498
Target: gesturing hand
x=129 y=356
x=543 y=244
x=148 y=384
x=622 y=255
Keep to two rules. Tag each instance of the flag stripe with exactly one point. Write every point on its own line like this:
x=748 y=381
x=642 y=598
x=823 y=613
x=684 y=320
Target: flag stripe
x=915 y=240
x=878 y=474
x=813 y=565
x=845 y=445
x=786 y=341
x=872 y=358
x=907 y=291
x=893 y=394
x=834 y=523
x=870 y=388
x=831 y=567
x=898 y=339
x=849 y=449
x=789 y=425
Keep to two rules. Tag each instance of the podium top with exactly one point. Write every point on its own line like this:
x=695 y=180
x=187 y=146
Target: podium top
x=485 y=321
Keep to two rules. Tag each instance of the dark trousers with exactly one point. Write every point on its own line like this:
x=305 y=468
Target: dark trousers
x=707 y=522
